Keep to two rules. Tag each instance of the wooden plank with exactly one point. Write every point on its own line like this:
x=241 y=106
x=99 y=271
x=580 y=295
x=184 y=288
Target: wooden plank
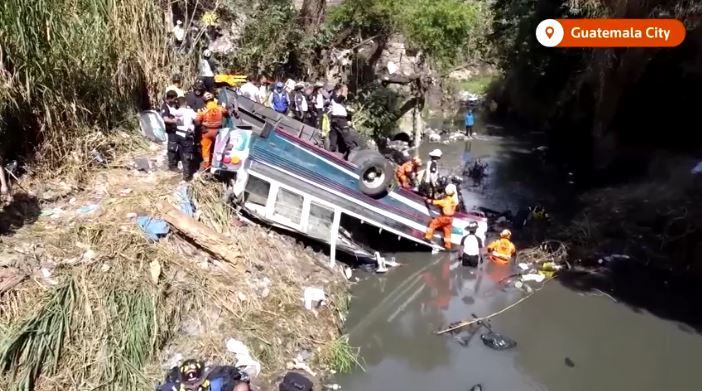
x=200 y=234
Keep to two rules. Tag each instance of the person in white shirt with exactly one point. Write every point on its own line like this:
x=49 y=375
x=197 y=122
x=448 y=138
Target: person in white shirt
x=185 y=135
x=300 y=107
x=342 y=137
x=178 y=33
x=250 y=90
x=318 y=101
x=471 y=246
x=176 y=81
x=207 y=70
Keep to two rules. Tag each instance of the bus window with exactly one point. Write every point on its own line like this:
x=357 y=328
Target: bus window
x=288 y=205
x=320 y=221
x=256 y=191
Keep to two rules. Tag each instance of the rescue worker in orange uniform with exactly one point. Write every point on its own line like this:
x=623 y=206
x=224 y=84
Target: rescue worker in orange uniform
x=502 y=250
x=448 y=206
x=210 y=118
x=407 y=172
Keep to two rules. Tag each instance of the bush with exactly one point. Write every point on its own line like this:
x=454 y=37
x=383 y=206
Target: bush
x=71 y=67
x=375 y=113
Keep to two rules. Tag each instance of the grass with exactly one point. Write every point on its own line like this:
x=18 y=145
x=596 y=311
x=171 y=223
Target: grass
x=38 y=341
x=70 y=69
x=476 y=85
x=117 y=326
x=340 y=356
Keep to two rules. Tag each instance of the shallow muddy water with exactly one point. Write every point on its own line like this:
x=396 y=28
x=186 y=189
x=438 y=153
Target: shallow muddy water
x=568 y=339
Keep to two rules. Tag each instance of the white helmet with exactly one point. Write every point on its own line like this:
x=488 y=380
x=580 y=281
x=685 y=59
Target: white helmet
x=450 y=189
x=435 y=153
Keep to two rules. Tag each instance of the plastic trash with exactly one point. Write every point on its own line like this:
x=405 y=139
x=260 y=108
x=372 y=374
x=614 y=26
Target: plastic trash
x=551 y=266
x=332 y=387
x=612 y=257
x=523 y=266
x=537 y=277
x=184 y=202
x=314 y=296
x=155 y=229
x=87 y=209
x=244 y=361
x=497 y=341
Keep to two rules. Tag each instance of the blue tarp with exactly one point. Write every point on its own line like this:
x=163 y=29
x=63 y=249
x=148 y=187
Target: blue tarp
x=155 y=229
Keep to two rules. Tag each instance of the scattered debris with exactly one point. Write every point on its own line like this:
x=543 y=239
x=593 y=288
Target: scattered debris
x=125 y=191
x=88 y=209
x=536 y=277
x=612 y=257
x=184 y=200
x=155 y=271
x=244 y=361
x=314 y=297
x=497 y=341
x=203 y=236
x=155 y=229
x=569 y=363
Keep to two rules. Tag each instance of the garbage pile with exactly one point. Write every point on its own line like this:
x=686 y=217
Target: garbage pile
x=162 y=270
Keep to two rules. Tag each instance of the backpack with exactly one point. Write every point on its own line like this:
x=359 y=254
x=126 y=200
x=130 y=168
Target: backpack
x=280 y=102
x=294 y=381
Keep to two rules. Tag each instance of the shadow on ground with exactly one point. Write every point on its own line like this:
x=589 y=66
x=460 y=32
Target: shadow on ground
x=643 y=289
x=672 y=296
x=24 y=209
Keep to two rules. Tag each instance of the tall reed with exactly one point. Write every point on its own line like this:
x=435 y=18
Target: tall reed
x=72 y=67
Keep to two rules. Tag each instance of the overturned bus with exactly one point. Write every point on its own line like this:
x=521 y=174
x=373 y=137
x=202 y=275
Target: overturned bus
x=280 y=175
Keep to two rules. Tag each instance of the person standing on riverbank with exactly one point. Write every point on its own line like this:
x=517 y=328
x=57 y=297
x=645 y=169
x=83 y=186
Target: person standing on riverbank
x=469 y=121
x=207 y=70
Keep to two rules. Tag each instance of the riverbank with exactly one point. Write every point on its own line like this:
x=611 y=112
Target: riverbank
x=87 y=299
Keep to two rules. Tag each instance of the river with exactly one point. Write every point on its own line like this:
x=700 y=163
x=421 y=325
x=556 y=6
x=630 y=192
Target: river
x=568 y=338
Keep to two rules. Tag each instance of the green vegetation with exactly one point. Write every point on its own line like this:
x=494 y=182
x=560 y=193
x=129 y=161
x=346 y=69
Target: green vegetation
x=376 y=110
x=69 y=68
x=449 y=32
x=476 y=85
x=340 y=356
x=593 y=98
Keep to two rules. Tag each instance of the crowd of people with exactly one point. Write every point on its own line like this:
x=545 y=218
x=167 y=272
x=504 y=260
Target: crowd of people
x=193 y=117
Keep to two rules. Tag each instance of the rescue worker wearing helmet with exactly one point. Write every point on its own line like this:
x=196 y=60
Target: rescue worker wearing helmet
x=502 y=250
x=406 y=174
x=430 y=177
x=194 y=375
x=444 y=222
x=211 y=118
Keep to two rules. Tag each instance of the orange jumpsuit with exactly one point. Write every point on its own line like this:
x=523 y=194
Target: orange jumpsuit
x=445 y=221
x=501 y=250
x=211 y=119
x=403 y=174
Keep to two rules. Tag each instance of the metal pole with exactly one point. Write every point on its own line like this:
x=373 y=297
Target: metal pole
x=334 y=237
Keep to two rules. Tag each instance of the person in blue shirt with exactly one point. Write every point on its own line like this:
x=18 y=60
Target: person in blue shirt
x=469 y=121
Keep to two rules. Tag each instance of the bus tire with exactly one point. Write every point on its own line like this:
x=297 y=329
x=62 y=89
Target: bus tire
x=374 y=171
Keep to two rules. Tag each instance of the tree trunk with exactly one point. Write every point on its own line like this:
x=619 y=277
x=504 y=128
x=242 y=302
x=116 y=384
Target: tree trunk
x=311 y=14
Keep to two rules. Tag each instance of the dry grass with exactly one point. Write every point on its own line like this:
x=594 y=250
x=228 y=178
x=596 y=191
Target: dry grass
x=106 y=325
x=74 y=70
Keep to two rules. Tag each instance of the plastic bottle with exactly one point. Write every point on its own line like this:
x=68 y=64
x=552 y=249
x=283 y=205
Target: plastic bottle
x=332 y=387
